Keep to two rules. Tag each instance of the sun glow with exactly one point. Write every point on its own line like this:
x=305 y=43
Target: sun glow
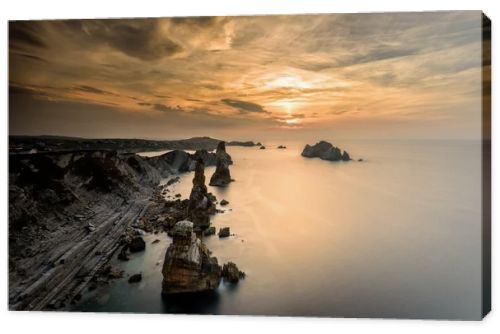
x=289 y=81
x=287 y=106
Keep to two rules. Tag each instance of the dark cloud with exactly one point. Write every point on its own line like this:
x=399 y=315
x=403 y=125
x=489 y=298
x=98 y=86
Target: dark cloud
x=32 y=57
x=164 y=108
x=25 y=33
x=244 y=106
x=200 y=21
x=338 y=112
x=16 y=90
x=138 y=38
x=161 y=96
x=21 y=90
x=93 y=90
x=212 y=87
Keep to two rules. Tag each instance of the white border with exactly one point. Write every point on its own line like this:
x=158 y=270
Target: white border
x=37 y=322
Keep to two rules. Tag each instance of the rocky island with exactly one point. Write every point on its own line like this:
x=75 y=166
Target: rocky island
x=325 y=151
x=243 y=143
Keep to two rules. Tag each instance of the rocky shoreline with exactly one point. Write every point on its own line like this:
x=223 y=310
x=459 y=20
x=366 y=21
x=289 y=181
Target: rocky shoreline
x=69 y=212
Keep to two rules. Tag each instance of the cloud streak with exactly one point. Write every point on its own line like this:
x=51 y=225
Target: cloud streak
x=244 y=106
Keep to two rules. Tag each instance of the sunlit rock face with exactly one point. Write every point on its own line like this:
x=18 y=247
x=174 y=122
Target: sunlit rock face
x=188 y=266
x=325 y=151
x=201 y=203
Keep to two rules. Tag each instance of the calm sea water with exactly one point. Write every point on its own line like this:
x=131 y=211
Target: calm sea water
x=397 y=235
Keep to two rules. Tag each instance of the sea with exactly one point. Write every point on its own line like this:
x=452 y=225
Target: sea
x=396 y=235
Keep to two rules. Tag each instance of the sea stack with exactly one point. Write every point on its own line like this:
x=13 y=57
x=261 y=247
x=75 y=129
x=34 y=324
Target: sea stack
x=201 y=204
x=220 y=153
x=188 y=266
x=221 y=176
x=325 y=151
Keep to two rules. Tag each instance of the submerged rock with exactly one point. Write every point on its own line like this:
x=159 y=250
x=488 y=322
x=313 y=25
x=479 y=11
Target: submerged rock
x=231 y=273
x=112 y=272
x=325 y=151
x=262 y=147
x=281 y=147
x=188 y=266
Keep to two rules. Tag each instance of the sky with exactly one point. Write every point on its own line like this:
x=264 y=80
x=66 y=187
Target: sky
x=384 y=75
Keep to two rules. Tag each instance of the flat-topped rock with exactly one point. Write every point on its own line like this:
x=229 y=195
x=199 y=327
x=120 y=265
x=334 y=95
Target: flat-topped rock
x=325 y=151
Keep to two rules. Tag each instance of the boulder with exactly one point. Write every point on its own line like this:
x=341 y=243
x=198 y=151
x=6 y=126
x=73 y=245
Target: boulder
x=137 y=244
x=231 y=273
x=224 y=232
x=262 y=147
x=135 y=278
x=224 y=202
x=325 y=151
x=188 y=266
x=124 y=255
x=345 y=156
x=209 y=231
x=172 y=181
x=281 y=147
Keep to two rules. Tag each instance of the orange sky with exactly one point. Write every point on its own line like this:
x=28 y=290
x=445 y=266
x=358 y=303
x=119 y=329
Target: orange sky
x=397 y=75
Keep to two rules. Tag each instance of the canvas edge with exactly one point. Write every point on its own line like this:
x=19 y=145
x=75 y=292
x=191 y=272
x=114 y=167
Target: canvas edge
x=486 y=166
